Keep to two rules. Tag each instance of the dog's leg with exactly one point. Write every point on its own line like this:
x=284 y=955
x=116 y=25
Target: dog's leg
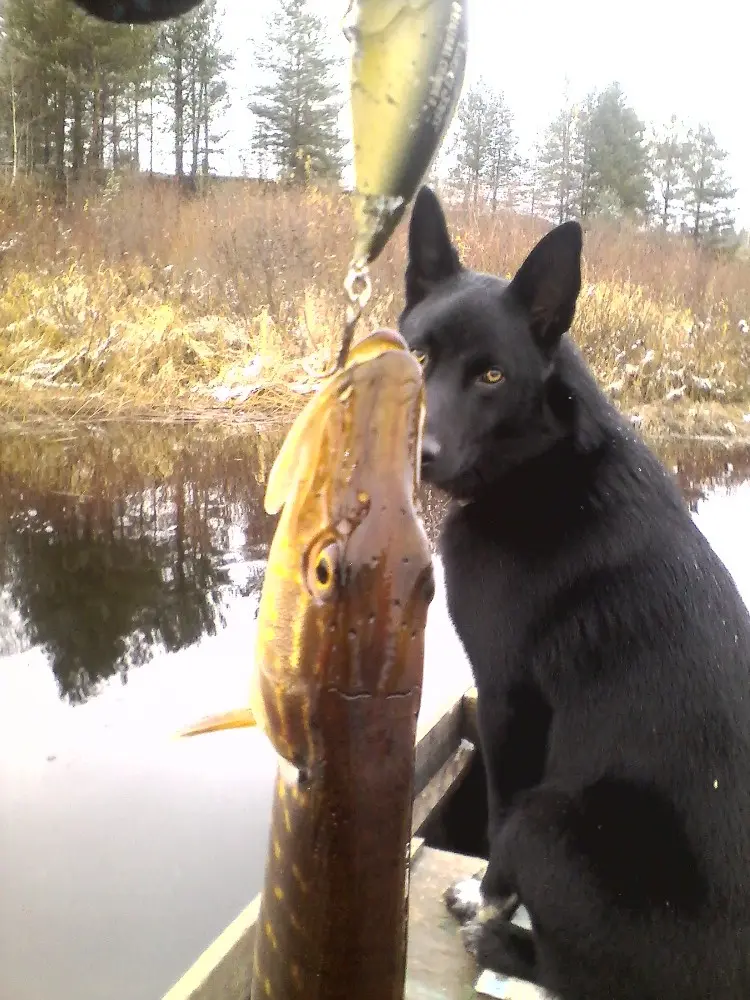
x=584 y=942
x=464 y=898
x=527 y=865
x=499 y=945
x=518 y=723
x=513 y=731
x=485 y=908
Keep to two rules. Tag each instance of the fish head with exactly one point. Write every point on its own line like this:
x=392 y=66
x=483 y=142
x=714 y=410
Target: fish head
x=349 y=577
x=384 y=574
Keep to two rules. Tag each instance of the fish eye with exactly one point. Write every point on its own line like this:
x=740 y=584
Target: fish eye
x=493 y=376
x=420 y=356
x=322 y=570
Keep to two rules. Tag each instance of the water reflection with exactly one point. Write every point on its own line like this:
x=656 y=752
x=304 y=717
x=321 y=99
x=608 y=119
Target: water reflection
x=108 y=555
x=135 y=556
x=117 y=544
x=709 y=469
x=99 y=593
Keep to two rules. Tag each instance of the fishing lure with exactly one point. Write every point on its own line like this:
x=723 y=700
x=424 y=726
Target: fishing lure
x=407 y=71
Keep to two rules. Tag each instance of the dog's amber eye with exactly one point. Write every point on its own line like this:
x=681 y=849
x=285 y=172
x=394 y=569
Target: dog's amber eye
x=420 y=356
x=492 y=376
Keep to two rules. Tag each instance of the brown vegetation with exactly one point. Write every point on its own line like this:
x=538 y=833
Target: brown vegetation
x=133 y=299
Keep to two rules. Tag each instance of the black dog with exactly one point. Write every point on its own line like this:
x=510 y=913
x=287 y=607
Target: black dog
x=610 y=649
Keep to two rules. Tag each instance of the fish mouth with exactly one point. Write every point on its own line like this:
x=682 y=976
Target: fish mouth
x=387 y=557
x=388 y=396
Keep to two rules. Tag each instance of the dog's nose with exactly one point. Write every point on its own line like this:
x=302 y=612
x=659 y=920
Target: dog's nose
x=430 y=450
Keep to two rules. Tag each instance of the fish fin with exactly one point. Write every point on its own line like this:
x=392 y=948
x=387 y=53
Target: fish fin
x=299 y=452
x=240 y=718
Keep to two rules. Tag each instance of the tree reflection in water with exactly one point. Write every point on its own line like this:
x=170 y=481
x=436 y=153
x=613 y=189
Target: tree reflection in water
x=112 y=555
x=116 y=544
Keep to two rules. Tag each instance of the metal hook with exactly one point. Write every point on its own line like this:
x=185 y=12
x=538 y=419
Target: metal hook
x=358 y=289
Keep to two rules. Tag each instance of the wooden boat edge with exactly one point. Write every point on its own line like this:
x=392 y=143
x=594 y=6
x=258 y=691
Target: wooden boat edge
x=444 y=752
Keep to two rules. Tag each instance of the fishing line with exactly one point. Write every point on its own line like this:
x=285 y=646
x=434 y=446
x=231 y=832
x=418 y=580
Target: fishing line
x=358 y=289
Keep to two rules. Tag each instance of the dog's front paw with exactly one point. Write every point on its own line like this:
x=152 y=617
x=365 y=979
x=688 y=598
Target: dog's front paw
x=464 y=899
x=471 y=936
x=497 y=944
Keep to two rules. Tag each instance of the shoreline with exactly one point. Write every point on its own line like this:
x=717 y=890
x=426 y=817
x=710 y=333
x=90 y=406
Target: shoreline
x=39 y=406
x=704 y=421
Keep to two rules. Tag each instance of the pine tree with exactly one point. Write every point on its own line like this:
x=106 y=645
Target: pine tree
x=557 y=167
x=530 y=182
x=584 y=159
x=708 y=188
x=8 y=104
x=193 y=68
x=73 y=88
x=300 y=104
x=146 y=92
x=207 y=68
x=668 y=169
x=619 y=155
x=504 y=163
x=473 y=142
x=174 y=45
x=484 y=145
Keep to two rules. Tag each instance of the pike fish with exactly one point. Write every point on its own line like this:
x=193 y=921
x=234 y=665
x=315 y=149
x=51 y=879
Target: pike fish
x=407 y=72
x=337 y=683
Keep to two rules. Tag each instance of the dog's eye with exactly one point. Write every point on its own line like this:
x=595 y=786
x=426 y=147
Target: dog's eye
x=420 y=356
x=492 y=376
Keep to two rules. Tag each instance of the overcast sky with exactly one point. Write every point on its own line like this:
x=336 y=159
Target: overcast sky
x=686 y=58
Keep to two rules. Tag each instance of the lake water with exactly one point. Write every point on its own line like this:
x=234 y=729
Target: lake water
x=131 y=562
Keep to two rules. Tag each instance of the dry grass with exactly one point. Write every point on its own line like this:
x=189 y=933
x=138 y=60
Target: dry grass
x=131 y=299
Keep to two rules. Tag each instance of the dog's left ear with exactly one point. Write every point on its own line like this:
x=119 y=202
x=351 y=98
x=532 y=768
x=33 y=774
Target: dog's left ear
x=548 y=283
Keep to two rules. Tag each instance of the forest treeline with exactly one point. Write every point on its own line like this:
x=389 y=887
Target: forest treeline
x=78 y=96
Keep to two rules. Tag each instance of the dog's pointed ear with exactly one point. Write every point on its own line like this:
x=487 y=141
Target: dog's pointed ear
x=548 y=282
x=432 y=256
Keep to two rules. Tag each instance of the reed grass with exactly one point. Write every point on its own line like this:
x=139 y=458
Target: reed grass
x=131 y=300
